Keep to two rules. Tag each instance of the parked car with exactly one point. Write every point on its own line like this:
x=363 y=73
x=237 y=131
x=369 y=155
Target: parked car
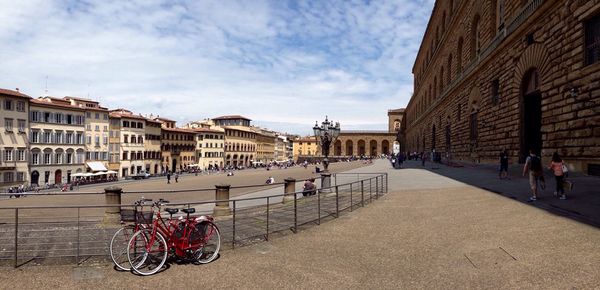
x=141 y=175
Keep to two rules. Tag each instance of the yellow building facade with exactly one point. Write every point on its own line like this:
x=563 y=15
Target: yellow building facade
x=14 y=132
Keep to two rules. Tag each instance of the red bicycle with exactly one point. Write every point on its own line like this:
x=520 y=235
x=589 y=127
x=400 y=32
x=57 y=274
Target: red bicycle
x=120 y=240
x=192 y=238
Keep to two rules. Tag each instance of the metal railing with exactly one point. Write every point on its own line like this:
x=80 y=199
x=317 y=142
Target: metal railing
x=33 y=233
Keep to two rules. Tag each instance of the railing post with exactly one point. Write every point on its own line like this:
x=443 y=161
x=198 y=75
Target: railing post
x=386 y=183
x=337 y=202
x=335 y=178
x=370 y=190
x=376 y=187
x=112 y=214
x=16 y=235
x=268 y=204
x=289 y=189
x=362 y=193
x=222 y=204
x=233 y=225
x=351 y=205
x=295 y=213
x=319 y=205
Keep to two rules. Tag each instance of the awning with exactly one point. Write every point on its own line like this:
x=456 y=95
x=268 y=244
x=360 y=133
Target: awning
x=111 y=172
x=77 y=175
x=96 y=166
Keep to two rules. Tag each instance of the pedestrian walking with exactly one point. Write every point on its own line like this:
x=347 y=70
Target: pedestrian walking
x=556 y=165
x=533 y=166
x=503 y=165
x=176 y=175
x=423 y=156
x=168 y=177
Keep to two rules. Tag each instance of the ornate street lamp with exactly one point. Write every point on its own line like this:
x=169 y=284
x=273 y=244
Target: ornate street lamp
x=327 y=133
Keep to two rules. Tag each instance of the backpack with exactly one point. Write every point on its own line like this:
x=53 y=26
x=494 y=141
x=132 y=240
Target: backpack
x=536 y=164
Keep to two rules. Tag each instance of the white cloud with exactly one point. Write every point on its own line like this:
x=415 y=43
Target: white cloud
x=272 y=61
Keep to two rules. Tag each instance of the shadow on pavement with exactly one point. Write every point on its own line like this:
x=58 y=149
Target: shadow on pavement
x=582 y=204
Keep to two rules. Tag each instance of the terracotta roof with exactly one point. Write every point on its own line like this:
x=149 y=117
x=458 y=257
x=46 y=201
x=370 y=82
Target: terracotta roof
x=41 y=102
x=240 y=128
x=13 y=93
x=229 y=117
x=113 y=114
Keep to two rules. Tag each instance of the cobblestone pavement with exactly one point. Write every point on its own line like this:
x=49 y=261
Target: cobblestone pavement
x=428 y=232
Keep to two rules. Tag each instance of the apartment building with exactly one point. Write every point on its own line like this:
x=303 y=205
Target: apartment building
x=131 y=135
x=14 y=108
x=210 y=148
x=57 y=145
x=305 y=146
x=152 y=147
x=178 y=146
x=240 y=140
x=265 y=145
x=96 y=133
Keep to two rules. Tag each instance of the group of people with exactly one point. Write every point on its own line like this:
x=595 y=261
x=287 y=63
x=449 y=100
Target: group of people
x=534 y=168
x=175 y=176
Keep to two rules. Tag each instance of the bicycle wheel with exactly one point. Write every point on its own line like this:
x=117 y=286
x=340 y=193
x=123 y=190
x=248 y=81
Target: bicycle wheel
x=212 y=242
x=147 y=255
x=118 y=247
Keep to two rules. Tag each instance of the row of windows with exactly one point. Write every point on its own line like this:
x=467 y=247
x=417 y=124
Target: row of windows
x=134 y=139
x=96 y=128
x=96 y=115
x=96 y=140
x=128 y=124
x=9 y=123
x=59 y=137
x=241 y=134
x=38 y=158
x=211 y=145
x=96 y=155
x=181 y=137
x=240 y=147
x=141 y=155
x=210 y=136
x=10 y=154
x=211 y=154
x=58 y=118
x=8 y=177
x=10 y=105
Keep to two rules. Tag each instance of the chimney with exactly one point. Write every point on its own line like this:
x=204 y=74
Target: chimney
x=17 y=89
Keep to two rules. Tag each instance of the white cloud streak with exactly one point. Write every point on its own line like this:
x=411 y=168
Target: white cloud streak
x=273 y=61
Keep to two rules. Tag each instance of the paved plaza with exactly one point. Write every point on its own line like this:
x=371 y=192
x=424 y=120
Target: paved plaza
x=428 y=232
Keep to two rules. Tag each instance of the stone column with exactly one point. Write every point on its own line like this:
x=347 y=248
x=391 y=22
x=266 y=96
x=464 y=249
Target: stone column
x=112 y=215
x=326 y=182
x=222 y=207
x=289 y=189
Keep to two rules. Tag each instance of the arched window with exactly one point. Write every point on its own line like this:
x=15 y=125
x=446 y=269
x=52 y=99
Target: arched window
x=459 y=53
x=475 y=37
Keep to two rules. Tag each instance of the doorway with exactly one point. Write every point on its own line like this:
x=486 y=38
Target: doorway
x=531 y=116
x=35 y=178
x=58 y=177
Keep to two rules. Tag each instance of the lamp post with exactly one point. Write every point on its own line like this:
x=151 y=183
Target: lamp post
x=327 y=133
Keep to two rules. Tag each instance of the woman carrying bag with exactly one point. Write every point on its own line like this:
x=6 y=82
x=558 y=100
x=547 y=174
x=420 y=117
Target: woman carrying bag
x=557 y=168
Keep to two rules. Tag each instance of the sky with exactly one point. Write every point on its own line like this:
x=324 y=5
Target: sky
x=283 y=64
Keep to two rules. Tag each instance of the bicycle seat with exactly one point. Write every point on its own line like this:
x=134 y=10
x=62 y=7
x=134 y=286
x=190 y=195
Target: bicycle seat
x=171 y=210
x=188 y=210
